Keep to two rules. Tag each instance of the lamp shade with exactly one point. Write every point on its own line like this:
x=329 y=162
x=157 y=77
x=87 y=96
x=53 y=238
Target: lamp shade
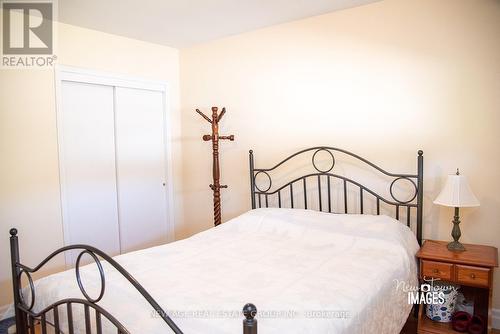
x=457 y=193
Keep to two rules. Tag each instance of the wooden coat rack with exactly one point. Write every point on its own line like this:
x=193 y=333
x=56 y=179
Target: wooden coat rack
x=214 y=137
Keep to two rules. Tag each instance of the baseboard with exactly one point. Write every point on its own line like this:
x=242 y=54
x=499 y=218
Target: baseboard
x=495 y=318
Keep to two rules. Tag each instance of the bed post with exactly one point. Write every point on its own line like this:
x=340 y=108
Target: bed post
x=249 y=323
x=14 y=258
x=420 y=197
x=252 y=179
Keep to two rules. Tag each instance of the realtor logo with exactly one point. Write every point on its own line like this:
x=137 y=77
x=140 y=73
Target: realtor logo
x=27 y=33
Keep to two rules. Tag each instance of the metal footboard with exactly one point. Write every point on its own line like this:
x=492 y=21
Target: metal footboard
x=26 y=318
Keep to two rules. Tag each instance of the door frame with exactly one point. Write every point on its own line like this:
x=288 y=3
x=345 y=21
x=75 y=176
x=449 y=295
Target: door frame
x=90 y=76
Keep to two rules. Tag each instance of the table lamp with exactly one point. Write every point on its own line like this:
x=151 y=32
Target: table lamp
x=456 y=193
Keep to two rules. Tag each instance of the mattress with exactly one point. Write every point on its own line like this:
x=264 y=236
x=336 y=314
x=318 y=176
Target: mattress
x=306 y=271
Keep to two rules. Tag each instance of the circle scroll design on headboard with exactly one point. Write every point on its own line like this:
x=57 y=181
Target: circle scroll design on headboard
x=314 y=162
x=255 y=181
x=32 y=289
x=409 y=180
x=79 y=280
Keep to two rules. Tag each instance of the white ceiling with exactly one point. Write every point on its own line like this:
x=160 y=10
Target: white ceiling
x=181 y=23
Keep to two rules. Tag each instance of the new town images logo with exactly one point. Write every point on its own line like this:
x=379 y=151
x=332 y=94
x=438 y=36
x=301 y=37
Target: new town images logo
x=27 y=34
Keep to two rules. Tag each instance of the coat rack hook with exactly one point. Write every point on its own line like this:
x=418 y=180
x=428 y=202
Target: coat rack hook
x=204 y=116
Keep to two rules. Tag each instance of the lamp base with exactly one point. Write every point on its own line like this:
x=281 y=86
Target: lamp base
x=456 y=246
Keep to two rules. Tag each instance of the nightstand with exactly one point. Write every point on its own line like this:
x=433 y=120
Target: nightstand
x=472 y=269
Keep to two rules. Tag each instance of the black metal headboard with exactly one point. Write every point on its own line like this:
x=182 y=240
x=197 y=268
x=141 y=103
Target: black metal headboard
x=261 y=197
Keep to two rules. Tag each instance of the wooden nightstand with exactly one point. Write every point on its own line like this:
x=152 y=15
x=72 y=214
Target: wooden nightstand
x=472 y=269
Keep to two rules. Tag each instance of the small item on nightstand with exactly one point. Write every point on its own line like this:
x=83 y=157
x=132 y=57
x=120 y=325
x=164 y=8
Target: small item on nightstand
x=456 y=193
x=465 y=305
x=476 y=325
x=443 y=312
x=460 y=321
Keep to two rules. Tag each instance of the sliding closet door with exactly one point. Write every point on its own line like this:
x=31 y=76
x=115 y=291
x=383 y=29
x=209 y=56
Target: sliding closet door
x=88 y=171
x=140 y=162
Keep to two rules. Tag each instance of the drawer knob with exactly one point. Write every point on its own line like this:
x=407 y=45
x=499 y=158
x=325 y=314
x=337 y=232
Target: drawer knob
x=436 y=271
x=472 y=275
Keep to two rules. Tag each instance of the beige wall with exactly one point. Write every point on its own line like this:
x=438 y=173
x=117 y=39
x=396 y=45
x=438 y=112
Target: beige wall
x=29 y=179
x=382 y=80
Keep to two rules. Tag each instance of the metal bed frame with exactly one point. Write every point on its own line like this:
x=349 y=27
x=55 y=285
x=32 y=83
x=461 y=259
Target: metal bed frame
x=26 y=318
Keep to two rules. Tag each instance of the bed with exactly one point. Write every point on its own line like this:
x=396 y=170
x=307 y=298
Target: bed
x=309 y=271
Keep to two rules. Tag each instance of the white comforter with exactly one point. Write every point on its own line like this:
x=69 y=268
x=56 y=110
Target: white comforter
x=306 y=271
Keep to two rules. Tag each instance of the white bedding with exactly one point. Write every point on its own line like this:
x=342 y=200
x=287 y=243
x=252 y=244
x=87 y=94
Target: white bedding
x=290 y=263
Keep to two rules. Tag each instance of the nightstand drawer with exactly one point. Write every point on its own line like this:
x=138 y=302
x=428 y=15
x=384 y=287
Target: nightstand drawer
x=436 y=269
x=473 y=275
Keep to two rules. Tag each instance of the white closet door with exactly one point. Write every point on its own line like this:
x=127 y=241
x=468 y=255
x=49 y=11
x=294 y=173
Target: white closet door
x=141 y=170
x=88 y=171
